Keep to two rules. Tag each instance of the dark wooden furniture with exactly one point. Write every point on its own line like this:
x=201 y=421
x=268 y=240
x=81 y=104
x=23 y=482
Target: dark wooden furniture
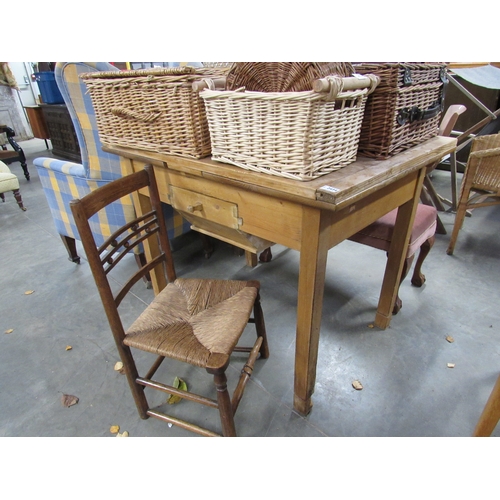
x=37 y=123
x=61 y=131
x=16 y=154
x=195 y=321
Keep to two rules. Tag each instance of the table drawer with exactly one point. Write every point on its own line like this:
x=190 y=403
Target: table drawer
x=205 y=207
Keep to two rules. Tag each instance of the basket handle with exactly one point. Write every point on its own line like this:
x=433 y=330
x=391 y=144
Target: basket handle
x=410 y=115
x=336 y=84
x=142 y=117
x=210 y=83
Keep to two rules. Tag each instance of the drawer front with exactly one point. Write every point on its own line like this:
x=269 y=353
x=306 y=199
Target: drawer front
x=205 y=207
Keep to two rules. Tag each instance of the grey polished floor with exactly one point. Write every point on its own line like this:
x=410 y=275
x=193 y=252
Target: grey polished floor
x=408 y=389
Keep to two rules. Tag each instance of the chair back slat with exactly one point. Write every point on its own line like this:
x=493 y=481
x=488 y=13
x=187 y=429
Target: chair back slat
x=104 y=258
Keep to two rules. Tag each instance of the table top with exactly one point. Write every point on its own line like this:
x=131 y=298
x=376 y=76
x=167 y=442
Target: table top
x=332 y=191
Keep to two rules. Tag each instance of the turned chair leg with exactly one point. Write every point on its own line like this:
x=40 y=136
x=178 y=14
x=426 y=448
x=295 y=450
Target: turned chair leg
x=24 y=166
x=224 y=402
x=17 y=196
x=70 y=245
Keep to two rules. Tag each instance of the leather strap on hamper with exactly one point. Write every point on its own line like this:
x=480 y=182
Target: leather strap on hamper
x=409 y=115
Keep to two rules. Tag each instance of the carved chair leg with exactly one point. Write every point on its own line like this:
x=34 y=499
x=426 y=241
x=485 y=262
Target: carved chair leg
x=24 y=165
x=17 y=196
x=418 y=279
x=225 y=407
x=70 y=245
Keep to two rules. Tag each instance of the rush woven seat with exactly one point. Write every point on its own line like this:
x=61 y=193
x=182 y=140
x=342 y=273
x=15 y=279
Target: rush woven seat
x=195 y=321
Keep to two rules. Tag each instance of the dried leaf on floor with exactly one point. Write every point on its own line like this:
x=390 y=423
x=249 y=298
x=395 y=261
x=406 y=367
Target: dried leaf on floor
x=114 y=429
x=371 y=325
x=69 y=400
x=10 y=330
x=450 y=339
x=178 y=384
x=357 y=385
x=68 y=348
x=124 y=434
x=29 y=292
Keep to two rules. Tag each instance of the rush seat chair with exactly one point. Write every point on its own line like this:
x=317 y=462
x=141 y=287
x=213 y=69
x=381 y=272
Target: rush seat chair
x=196 y=321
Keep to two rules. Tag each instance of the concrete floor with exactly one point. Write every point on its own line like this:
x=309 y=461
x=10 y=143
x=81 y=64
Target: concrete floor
x=408 y=390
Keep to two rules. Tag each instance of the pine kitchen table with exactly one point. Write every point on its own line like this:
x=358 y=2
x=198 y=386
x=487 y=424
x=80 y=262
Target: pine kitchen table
x=251 y=209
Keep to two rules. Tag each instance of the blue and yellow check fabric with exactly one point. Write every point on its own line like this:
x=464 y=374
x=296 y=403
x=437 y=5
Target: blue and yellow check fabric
x=63 y=181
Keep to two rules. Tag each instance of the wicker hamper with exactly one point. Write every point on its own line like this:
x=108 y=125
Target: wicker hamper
x=297 y=135
x=282 y=76
x=404 y=110
x=153 y=109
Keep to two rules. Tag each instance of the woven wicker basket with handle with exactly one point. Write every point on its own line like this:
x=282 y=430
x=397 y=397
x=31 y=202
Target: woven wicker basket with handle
x=405 y=109
x=153 y=109
x=297 y=135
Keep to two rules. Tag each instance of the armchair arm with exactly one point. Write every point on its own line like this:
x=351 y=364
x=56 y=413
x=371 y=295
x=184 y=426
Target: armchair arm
x=64 y=167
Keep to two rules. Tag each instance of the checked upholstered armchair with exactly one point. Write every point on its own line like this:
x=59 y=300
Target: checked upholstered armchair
x=63 y=181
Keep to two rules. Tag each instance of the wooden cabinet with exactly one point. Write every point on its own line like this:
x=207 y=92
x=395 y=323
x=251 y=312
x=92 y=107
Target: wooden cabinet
x=37 y=122
x=61 y=132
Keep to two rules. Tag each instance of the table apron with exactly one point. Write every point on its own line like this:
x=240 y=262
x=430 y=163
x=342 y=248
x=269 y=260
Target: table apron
x=277 y=220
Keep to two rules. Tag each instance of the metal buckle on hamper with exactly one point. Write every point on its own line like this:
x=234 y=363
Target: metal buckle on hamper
x=407 y=80
x=406 y=115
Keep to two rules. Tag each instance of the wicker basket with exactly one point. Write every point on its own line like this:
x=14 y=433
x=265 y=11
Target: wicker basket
x=282 y=76
x=405 y=109
x=297 y=135
x=153 y=109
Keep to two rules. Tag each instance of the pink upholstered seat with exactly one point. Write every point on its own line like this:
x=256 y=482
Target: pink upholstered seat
x=379 y=235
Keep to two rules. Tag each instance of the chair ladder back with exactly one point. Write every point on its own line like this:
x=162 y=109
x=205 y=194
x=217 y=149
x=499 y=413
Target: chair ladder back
x=104 y=258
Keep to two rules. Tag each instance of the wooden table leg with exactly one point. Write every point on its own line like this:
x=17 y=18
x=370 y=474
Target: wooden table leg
x=313 y=256
x=397 y=256
x=491 y=413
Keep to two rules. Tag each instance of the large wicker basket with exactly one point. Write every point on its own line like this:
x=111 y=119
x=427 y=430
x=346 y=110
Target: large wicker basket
x=282 y=76
x=297 y=135
x=404 y=110
x=153 y=109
